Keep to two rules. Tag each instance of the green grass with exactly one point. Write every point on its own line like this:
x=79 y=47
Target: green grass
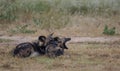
x=91 y=6
x=109 y=31
x=54 y=13
x=10 y=9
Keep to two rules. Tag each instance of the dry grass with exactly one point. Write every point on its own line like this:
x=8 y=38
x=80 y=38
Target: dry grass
x=79 y=57
x=91 y=25
x=78 y=26
x=5 y=40
x=64 y=17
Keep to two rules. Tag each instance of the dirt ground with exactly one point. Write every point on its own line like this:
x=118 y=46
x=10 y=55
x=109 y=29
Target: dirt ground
x=79 y=57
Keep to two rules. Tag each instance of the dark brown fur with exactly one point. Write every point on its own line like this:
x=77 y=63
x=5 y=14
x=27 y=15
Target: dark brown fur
x=51 y=46
x=23 y=49
x=56 y=46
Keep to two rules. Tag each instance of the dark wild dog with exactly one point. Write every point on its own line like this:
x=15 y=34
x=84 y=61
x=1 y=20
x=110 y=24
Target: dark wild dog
x=23 y=50
x=27 y=49
x=51 y=46
x=56 y=46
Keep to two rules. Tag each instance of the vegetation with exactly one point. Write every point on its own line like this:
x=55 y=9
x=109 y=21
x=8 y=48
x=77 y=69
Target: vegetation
x=108 y=31
x=53 y=14
x=16 y=9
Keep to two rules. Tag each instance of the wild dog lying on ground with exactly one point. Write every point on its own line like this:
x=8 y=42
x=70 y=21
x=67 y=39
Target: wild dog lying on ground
x=56 y=46
x=27 y=49
x=23 y=49
x=39 y=45
x=42 y=42
x=51 y=46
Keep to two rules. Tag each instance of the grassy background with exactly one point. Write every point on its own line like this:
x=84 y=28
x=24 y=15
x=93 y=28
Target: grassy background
x=64 y=18
x=49 y=15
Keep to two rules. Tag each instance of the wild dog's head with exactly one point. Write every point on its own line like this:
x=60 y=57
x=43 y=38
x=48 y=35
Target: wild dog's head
x=49 y=39
x=61 y=42
x=52 y=50
x=42 y=40
x=45 y=40
x=57 y=46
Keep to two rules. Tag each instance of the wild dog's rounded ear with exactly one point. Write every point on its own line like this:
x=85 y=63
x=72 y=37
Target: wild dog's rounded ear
x=50 y=35
x=64 y=40
x=64 y=46
x=67 y=39
x=56 y=38
x=42 y=38
x=49 y=38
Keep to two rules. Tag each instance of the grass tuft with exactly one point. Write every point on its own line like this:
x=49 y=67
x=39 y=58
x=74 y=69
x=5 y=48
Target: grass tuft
x=109 y=31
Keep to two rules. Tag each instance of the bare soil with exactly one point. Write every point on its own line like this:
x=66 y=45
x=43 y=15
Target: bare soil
x=100 y=40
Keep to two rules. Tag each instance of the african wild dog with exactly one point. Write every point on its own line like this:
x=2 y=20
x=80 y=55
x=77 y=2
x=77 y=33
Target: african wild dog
x=43 y=41
x=62 y=42
x=39 y=45
x=23 y=50
x=51 y=46
x=27 y=49
x=56 y=46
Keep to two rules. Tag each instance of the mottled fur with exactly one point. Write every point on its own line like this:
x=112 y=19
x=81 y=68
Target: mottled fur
x=51 y=46
x=26 y=49
x=23 y=49
x=56 y=46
